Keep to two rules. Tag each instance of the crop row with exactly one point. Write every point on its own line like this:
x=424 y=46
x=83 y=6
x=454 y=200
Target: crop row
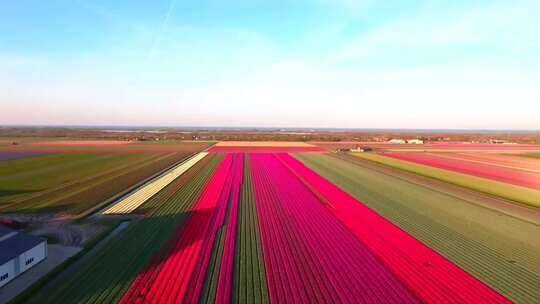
x=309 y=256
x=179 y=271
x=104 y=277
x=499 y=249
x=235 y=252
x=431 y=277
x=139 y=197
x=476 y=168
x=511 y=192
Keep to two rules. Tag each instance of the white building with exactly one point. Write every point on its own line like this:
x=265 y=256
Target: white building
x=18 y=253
x=415 y=141
x=397 y=141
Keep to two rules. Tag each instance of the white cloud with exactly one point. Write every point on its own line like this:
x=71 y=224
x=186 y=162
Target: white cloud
x=499 y=26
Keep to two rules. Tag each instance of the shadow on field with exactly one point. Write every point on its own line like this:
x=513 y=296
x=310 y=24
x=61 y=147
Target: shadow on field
x=106 y=271
x=31 y=208
x=171 y=247
x=8 y=192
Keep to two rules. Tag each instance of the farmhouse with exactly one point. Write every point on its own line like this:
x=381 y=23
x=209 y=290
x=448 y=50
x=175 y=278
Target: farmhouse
x=415 y=141
x=18 y=253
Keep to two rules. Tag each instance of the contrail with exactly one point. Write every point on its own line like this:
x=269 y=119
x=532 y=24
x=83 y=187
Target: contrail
x=161 y=30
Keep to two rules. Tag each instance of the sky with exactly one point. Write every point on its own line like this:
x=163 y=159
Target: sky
x=458 y=64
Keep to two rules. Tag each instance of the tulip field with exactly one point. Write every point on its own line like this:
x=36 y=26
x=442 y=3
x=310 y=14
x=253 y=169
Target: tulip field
x=263 y=226
x=494 y=242
x=477 y=166
x=264 y=147
x=309 y=255
x=105 y=277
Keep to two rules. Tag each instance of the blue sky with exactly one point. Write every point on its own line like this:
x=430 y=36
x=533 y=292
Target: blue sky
x=323 y=63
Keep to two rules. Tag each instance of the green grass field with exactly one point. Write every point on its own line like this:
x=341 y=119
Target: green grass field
x=532 y=155
x=511 y=192
x=104 y=277
x=36 y=173
x=501 y=250
x=74 y=182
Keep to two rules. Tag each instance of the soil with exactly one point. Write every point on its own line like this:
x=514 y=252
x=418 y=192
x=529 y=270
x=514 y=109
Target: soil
x=60 y=229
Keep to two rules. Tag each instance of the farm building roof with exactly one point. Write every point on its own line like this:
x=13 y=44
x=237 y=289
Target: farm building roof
x=13 y=243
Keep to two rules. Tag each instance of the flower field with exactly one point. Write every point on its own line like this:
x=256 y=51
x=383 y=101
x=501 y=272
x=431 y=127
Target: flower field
x=244 y=144
x=185 y=260
x=263 y=147
x=512 y=161
x=481 y=168
x=105 y=277
x=429 y=275
x=309 y=255
x=498 y=247
x=257 y=227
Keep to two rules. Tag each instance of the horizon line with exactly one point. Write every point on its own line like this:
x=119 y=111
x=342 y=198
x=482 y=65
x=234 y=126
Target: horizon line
x=277 y=128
